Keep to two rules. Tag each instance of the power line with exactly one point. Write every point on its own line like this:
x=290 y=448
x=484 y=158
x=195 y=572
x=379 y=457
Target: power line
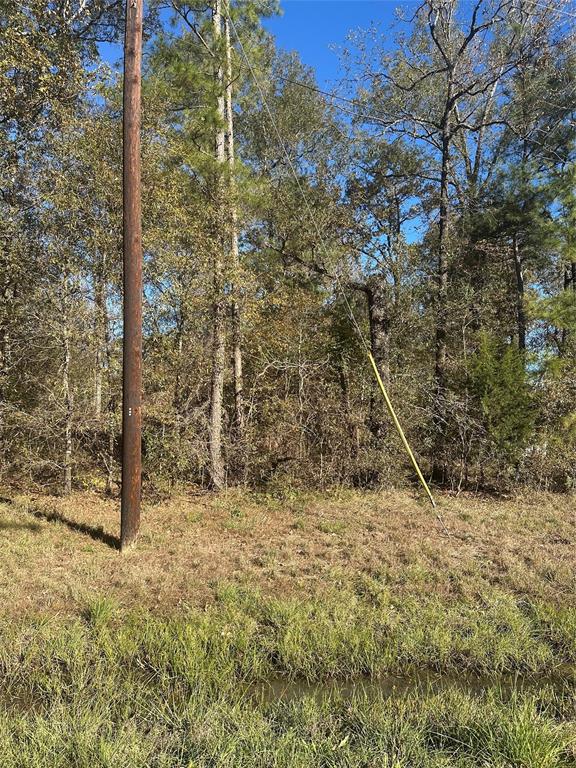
x=314 y=88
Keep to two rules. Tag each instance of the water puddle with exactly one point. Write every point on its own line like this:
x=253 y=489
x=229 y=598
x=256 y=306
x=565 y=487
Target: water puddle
x=419 y=683
x=422 y=682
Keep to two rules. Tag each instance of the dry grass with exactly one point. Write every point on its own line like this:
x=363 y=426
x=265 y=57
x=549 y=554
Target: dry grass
x=57 y=553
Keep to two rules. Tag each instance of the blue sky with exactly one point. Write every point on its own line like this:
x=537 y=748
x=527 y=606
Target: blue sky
x=313 y=28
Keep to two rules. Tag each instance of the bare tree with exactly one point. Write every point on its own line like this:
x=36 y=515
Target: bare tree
x=438 y=92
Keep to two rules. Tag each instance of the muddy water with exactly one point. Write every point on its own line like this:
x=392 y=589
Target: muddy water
x=421 y=682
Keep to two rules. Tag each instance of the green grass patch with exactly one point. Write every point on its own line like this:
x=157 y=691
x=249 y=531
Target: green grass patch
x=141 y=690
x=156 y=725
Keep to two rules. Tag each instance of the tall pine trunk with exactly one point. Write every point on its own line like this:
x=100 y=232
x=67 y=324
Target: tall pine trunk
x=234 y=247
x=219 y=305
x=66 y=387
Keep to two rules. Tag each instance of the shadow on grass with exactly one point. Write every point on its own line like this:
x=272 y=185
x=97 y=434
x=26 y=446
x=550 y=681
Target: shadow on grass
x=98 y=534
x=11 y=525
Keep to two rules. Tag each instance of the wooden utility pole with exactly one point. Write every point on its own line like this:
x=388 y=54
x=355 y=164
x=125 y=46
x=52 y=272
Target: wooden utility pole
x=132 y=238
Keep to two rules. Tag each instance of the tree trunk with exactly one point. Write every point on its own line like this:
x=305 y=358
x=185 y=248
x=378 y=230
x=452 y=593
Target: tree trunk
x=301 y=398
x=110 y=462
x=520 y=308
x=181 y=391
x=218 y=307
x=569 y=284
x=100 y=322
x=8 y=295
x=439 y=464
x=66 y=389
x=177 y=396
x=442 y=295
x=379 y=320
x=216 y=395
x=110 y=458
x=352 y=429
x=104 y=357
x=234 y=248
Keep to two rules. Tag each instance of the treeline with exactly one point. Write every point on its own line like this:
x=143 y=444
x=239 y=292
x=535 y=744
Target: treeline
x=432 y=196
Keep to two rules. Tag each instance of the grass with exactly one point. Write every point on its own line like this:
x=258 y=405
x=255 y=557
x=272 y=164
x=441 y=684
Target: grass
x=158 y=658
x=245 y=637
x=124 y=716
x=107 y=689
x=55 y=554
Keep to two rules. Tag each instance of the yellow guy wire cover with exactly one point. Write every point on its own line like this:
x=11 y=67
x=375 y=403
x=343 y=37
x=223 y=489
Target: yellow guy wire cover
x=400 y=430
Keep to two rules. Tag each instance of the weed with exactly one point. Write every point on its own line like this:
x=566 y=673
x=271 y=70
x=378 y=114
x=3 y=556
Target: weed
x=333 y=527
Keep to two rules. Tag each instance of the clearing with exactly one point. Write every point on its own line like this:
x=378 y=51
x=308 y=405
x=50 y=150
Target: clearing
x=59 y=552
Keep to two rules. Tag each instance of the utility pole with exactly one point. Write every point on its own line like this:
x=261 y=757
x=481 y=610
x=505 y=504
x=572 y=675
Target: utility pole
x=132 y=241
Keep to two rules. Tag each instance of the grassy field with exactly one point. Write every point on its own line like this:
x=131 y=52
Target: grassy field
x=396 y=639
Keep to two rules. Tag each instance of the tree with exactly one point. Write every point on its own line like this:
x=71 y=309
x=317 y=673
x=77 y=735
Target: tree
x=47 y=50
x=384 y=192
x=226 y=227
x=234 y=238
x=443 y=91
x=499 y=380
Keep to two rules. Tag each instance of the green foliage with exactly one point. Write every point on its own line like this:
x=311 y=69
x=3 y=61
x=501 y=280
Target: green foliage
x=312 y=414
x=500 y=382
x=558 y=311
x=566 y=192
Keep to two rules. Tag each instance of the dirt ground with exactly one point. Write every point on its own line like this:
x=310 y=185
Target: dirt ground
x=57 y=554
